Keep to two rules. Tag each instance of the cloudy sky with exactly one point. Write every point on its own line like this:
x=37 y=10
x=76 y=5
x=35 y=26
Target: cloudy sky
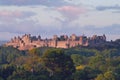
x=49 y=17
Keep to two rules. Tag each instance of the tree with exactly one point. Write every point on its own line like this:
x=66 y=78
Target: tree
x=21 y=74
x=109 y=75
x=86 y=74
x=100 y=77
x=97 y=61
x=9 y=54
x=60 y=65
x=77 y=59
x=80 y=75
x=6 y=71
x=35 y=51
x=29 y=62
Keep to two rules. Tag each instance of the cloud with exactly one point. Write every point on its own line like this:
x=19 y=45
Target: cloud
x=97 y=19
x=11 y=14
x=30 y=20
x=31 y=2
x=71 y=12
x=112 y=32
x=62 y=19
x=8 y=35
x=101 y=8
x=15 y=14
x=113 y=29
x=8 y=16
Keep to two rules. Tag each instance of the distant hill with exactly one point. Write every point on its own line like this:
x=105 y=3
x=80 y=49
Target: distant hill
x=2 y=42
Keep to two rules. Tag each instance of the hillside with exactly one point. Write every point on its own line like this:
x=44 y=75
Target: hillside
x=45 y=63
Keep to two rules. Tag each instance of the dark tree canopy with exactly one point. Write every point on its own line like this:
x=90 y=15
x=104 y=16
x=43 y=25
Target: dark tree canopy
x=58 y=63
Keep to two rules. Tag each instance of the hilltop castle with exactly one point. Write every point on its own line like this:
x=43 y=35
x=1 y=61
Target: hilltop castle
x=28 y=42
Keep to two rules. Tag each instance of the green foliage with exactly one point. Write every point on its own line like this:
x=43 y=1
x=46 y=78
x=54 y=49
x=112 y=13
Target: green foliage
x=35 y=51
x=6 y=71
x=109 y=75
x=110 y=53
x=81 y=51
x=21 y=74
x=28 y=62
x=59 y=64
x=77 y=59
x=86 y=74
x=8 y=54
x=96 y=61
x=92 y=63
x=100 y=77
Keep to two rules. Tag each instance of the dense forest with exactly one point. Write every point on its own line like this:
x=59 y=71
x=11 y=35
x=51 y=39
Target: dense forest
x=78 y=63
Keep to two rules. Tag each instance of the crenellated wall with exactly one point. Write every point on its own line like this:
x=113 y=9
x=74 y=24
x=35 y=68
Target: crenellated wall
x=28 y=42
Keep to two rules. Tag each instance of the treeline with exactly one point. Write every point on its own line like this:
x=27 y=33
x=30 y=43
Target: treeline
x=78 y=63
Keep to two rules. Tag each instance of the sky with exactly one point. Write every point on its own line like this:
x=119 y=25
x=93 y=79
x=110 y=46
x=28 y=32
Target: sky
x=50 y=17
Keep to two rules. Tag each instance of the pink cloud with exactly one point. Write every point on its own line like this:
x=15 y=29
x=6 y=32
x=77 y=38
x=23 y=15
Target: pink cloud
x=8 y=16
x=71 y=11
x=6 y=13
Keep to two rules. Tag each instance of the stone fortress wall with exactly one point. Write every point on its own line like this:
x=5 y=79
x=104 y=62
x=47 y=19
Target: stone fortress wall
x=28 y=42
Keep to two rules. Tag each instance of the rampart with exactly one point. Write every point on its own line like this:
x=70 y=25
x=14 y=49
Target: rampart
x=28 y=42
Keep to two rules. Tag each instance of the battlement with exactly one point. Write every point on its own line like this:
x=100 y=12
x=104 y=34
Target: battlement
x=28 y=42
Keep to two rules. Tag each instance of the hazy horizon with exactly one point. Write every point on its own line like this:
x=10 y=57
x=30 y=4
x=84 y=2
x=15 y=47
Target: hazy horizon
x=49 y=17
